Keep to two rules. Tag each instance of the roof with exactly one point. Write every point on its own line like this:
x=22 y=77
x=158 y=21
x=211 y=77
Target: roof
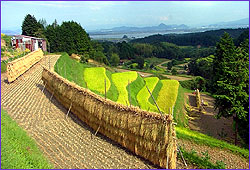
x=25 y=36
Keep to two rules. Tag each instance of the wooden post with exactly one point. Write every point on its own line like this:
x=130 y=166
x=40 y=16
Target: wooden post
x=49 y=62
x=167 y=163
x=45 y=61
x=105 y=87
x=97 y=129
x=43 y=89
x=69 y=110
x=129 y=94
x=182 y=156
x=155 y=103
x=50 y=101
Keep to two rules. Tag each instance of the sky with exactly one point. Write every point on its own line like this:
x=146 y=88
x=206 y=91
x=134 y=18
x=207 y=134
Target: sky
x=94 y=15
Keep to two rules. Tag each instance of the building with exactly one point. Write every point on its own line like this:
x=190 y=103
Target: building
x=32 y=43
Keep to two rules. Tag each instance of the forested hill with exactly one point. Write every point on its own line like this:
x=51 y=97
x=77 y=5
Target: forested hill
x=207 y=38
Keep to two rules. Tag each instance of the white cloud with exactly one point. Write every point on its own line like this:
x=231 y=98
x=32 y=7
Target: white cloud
x=98 y=5
x=164 y=18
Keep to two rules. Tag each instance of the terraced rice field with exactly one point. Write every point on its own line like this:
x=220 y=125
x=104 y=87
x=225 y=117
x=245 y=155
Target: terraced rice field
x=121 y=81
x=127 y=88
x=95 y=78
x=167 y=95
x=143 y=95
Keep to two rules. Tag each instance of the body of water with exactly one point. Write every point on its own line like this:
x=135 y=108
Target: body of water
x=130 y=35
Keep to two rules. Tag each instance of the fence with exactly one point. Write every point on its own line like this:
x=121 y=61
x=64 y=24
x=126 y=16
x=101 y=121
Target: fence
x=147 y=134
x=21 y=65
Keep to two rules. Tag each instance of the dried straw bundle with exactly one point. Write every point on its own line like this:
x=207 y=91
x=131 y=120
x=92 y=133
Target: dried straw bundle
x=147 y=134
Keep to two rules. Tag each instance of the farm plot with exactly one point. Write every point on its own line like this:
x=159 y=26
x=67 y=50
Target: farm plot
x=95 y=78
x=168 y=94
x=143 y=95
x=134 y=89
x=121 y=81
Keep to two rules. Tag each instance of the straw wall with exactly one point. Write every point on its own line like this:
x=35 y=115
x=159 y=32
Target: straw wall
x=144 y=133
x=21 y=65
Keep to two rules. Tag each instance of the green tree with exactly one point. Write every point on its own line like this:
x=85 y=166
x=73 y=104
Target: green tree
x=29 y=25
x=140 y=61
x=114 y=59
x=174 y=71
x=230 y=80
x=84 y=58
x=169 y=65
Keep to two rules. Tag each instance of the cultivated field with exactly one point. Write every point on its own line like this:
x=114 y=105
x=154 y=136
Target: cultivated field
x=129 y=87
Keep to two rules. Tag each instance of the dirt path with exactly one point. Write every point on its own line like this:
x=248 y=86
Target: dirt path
x=67 y=143
x=207 y=123
x=221 y=129
x=161 y=64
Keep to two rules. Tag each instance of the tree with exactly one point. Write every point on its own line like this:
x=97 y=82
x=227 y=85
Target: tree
x=169 y=65
x=140 y=61
x=29 y=25
x=114 y=59
x=125 y=50
x=230 y=80
x=174 y=71
x=69 y=37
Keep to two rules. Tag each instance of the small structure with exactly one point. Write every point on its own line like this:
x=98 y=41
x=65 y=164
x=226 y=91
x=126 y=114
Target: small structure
x=32 y=43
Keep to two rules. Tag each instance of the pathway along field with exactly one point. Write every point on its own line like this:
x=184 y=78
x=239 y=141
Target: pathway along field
x=66 y=142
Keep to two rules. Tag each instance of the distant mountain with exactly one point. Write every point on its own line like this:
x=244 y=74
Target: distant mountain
x=160 y=27
x=11 y=32
x=242 y=23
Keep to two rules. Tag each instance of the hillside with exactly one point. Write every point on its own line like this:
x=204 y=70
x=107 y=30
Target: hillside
x=127 y=88
x=207 y=38
x=198 y=149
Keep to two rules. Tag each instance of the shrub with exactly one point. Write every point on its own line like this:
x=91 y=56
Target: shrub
x=3 y=67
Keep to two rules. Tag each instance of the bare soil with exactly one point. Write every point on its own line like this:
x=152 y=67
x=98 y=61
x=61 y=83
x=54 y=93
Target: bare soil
x=205 y=122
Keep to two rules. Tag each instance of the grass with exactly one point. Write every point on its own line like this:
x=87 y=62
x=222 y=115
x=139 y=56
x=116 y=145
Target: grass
x=143 y=95
x=95 y=78
x=134 y=88
x=167 y=95
x=179 y=114
x=156 y=92
x=199 y=138
x=3 y=67
x=121 y=81
x=71 y=69
x=18 y=150
x=112 y=93
x=201 y=162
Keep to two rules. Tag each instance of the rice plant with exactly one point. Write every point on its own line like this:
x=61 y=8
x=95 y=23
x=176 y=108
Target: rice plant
x=167 y=95
x=95 y=79
x=121 y=81
x=143 y=95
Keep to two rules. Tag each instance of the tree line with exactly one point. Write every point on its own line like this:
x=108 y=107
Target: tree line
x=204 y=39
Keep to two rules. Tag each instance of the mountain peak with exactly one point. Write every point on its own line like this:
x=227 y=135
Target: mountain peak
x=162 y=25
